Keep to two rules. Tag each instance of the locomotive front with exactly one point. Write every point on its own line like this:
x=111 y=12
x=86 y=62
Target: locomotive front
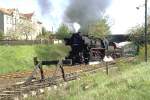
x=84 y=48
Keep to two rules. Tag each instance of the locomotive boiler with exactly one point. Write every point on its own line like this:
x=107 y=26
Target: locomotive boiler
x=85 y=48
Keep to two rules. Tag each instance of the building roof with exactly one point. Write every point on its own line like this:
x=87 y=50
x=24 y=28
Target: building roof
x=11 y=10
x=7 y=11
x=27 y=15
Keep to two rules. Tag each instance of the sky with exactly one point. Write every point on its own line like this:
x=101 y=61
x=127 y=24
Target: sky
x=51 y=20
x=123 y=14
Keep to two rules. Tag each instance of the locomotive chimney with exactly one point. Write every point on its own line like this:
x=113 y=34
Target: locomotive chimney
x=76 y=26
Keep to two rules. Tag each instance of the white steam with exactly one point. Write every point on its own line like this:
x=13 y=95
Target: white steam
x=76 y=26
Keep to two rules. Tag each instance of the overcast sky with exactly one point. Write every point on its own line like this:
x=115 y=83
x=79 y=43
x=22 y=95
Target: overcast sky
x=123 y=13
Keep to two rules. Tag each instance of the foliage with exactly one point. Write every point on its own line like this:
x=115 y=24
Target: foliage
x=20 y=58
x=44 y=31
x=51 y=52
x=24 y=28
x=99 y=29
x=63 y=32
x=142 y=53
x=45 y=34
x=1 y=34
x=14 y=35
x=137 y=33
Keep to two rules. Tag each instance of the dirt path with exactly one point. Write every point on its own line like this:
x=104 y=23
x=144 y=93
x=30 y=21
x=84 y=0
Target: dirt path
x=7 y=80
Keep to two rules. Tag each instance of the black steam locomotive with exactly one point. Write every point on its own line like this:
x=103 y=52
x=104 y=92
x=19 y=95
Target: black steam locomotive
x=85 y=49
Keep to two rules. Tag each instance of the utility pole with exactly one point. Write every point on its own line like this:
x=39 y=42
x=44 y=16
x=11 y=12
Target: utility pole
x=145 y=36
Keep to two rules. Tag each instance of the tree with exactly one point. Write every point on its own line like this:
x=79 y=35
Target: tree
x=44 y=31
x=63 y=32
x=46 y=35
x=1 y=34
x=52 y=52
x=100 y=28
x=25 y=28
x=13 y=34
x=22 y=29
x=137 y=33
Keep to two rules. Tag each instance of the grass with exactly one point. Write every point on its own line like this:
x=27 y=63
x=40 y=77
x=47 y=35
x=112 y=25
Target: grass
x=142 y=53
x=132 y=83
x=16 y=58
x=51 y=52
x=20 y=58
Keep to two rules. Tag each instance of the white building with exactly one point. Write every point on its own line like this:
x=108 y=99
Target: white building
x=9 y=19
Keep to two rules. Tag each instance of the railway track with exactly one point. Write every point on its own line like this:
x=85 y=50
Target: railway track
x=27 y=73
x=21 y=90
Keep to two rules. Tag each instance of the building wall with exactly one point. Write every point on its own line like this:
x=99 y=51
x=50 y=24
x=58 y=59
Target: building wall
x=1 y=22
x=38 y=27
x=8 y=23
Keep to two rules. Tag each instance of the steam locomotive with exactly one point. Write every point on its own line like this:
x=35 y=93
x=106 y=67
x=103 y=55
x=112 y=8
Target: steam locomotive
x=85 y=48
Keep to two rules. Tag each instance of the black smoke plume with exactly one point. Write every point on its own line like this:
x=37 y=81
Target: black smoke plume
x=45 y=6
x=85 y=12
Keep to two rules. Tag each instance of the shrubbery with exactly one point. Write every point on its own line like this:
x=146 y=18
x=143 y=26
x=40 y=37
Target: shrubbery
x=142 y=53
x=63 y=32
x=20 y=58
x=52 y=52
x=1 y=35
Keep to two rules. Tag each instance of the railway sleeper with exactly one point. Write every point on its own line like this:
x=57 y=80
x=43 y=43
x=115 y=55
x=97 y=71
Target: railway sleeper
x=12 y=92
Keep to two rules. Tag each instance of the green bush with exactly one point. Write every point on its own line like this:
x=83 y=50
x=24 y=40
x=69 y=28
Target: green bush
x=1 y=35
x=142 y=52
x=63 y=32
x=51 y=52
x=20 y=58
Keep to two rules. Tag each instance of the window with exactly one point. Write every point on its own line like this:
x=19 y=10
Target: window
x=8 y=20
x=11 y=20
x=14 y=21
